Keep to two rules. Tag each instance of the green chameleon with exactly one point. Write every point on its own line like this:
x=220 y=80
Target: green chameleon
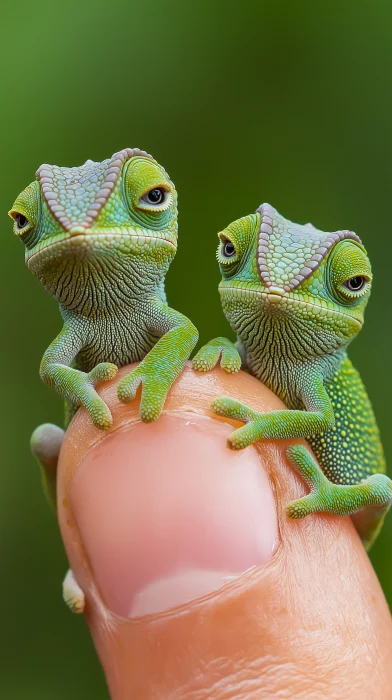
x=101 y=238
x=295 y=296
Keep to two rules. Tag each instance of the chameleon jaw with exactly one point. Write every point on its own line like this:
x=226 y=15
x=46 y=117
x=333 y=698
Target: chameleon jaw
x=277 y=301
x=82 y=241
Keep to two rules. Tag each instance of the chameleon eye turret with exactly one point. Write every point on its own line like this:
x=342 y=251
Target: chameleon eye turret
x=101 y=237
x=25 y=213
x=296 y=296
x=349 y=274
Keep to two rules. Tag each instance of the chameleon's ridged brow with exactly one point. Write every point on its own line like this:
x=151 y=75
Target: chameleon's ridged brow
x=291 y=252
x=75 y=196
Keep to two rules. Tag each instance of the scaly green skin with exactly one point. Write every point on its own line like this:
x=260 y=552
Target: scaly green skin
x=284 y=291
x=102 y=248
x=103 y=251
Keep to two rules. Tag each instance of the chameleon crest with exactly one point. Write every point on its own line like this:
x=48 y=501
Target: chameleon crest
x=75 y=196
x=288 y=253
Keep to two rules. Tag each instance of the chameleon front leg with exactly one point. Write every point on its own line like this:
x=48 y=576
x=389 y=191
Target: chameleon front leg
x=317 y=417
x=46 y=442
x=368 y=501
x=162 y=365
x=72 y=384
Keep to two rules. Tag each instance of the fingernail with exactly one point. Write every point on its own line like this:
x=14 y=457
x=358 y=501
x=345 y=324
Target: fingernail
x=167 y=513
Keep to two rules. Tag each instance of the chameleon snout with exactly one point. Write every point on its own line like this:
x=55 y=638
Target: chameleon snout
x=275 y=295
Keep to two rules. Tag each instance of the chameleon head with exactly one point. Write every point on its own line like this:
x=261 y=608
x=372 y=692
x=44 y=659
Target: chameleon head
x=75 y=222
x=278 y=276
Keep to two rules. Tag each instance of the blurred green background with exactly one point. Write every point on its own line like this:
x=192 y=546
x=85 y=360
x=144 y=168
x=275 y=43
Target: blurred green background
x=287 y=102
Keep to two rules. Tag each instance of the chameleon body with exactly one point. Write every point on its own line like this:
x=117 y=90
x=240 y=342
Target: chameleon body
x=100 y=238
x=295 y=296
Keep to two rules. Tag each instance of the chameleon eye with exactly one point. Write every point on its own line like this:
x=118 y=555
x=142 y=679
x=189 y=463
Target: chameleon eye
x=157 y=199
x=21 y=221
x=155 y=196
x=228 y=249
x=355 y=284
x=349 y=273
x=25 y=213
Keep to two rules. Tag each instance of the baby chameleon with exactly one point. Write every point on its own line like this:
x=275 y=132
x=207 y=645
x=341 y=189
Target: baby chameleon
x=101 y=238
x=295 y=297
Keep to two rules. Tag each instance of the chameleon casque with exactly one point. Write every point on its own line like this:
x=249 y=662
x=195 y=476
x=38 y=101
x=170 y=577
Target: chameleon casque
x=296 y=296
x=101 y=238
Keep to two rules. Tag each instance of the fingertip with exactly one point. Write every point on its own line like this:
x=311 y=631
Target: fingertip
x=173 y=539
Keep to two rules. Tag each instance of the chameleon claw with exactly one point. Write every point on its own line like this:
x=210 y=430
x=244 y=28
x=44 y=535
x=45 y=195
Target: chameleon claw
x=102 y=373
x=128 y=386
x=230 y=408
x=243 y=437
x=247 y=434
x=230 y=363
x=220 y=348
x=153 y=393
x=100 y=414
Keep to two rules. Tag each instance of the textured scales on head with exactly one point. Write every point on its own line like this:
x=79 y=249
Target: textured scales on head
x=291 y=252
x=75 y=196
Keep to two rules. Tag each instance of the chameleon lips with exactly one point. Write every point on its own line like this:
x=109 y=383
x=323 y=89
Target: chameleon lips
x=88 y=239
x=279 y=299
x=162 y=532
x=275 y=295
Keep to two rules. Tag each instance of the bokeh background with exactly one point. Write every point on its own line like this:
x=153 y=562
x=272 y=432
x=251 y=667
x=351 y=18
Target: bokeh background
x=287 y=102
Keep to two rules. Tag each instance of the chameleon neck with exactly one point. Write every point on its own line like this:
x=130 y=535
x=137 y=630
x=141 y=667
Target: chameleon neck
x=97 y=287
x=281 y=354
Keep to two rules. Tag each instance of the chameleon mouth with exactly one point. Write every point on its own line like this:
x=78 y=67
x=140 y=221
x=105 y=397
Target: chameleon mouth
x=275 y=297
x=86 y=241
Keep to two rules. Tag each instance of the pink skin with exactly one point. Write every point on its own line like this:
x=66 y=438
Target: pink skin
x=197 y=585
x=159 y=537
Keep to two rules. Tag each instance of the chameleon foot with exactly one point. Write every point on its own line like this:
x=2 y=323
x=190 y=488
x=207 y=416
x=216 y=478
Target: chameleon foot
x=209 y=355
x=96 y=407
x=73 y=594
x=154 y=391
x=373 y=494
x=247 y=434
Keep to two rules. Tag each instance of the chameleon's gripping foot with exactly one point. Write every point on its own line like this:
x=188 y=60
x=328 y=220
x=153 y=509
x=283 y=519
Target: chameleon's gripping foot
x=155 y=386
x=372 y=494
x=209 y=355
x=96 y=407
x=73 y=594
x=247 y=434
